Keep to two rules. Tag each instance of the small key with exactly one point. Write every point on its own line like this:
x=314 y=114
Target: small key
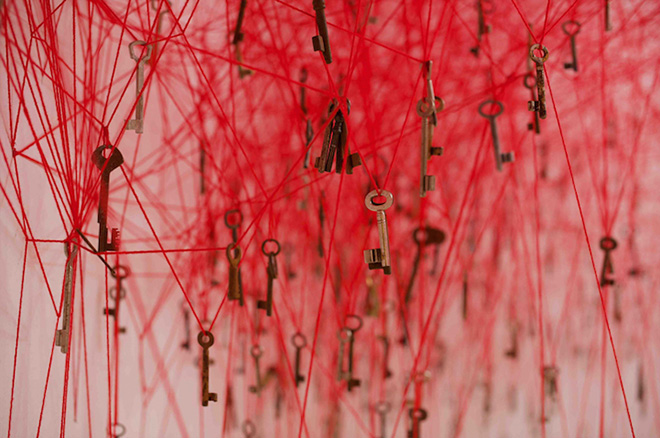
x=427 y=110
x=417 y=415
x=321 y=42
x=299 y=341
x=382 y=408
x=267 y=304
x=206 y=340
x=539 y=104
x=106 y=165
x=482 y=28
x=233 y=221
x=137 y=124
x=571 y=28
x=386 y=355
x=62 y=336
x=379 y=258
x=423 y=237
x=640 y=383
x=529 y=81
x=234 y=292
x=512 y=352
x=186 y=324
x=500 y=157
x=347 y=336
x=607 y=244
x=256 y=351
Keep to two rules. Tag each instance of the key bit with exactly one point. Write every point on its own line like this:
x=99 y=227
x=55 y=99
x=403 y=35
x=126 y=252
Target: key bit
x=137 y=124
x=106 y=165
x=500 y=157
x=379 y=258
x=267 y=304
x=205 y=340
x=539 y=104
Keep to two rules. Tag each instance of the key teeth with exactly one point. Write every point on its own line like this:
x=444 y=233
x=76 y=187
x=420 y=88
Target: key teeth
x=437 y=151
x=429 y=183
x=373 y=256
x=508 y=157
x=318 y=44
x=213 y=396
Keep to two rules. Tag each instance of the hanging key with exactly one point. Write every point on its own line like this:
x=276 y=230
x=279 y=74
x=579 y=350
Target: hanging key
x=427 y=110
x=106 y=165
x=529 y=81
x=335 y=144
x=571 y=28
x=206 y=340
x=482 y=28
x=256 y=351
x=500 y=157
x=608 y=245
x=62 y=336
x=234 y=291
x=119 y=272
x=137 y=124
x=417 y=415
x=382 y=408
x=321 y=42
x=299 y=341
x=379 y=258
x=386 y=356
x=186 y=324
x=539 y=104
x=423 y=237
x=347 y=336
x=267 y=304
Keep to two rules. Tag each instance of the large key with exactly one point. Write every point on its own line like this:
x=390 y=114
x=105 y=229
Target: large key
x=206 y=340
x=267 y=304
x=62 y=336
x=539 y=104
x=106 y=165
x=379 y=258
x=572 y=28
x=427 y=110
x=137 y=124
x=499 y=156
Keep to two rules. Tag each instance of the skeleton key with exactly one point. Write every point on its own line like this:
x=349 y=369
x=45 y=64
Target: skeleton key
x=137 y=124
x=206 y=340
x=482 y=27
x=426 y=109
x=539 y=105
x=607 y=244
x=299 y=341
x=535 y=125
x=321 y=42
x=382 y=408
x=106 y=165
x=238 y=35
x=186 y=323
x=256 y=351
x=347 y=335
x=386 y=355
x=267 y=304
x=62 y=336
x=571 y=28
x=423 y=237
x=417 y=415
x=500 y=157
x=379 y=258
x=235 y=292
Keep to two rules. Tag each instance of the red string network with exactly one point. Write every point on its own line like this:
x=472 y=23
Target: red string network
x=267 y=218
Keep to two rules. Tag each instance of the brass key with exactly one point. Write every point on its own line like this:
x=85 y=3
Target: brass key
x=500 y=157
